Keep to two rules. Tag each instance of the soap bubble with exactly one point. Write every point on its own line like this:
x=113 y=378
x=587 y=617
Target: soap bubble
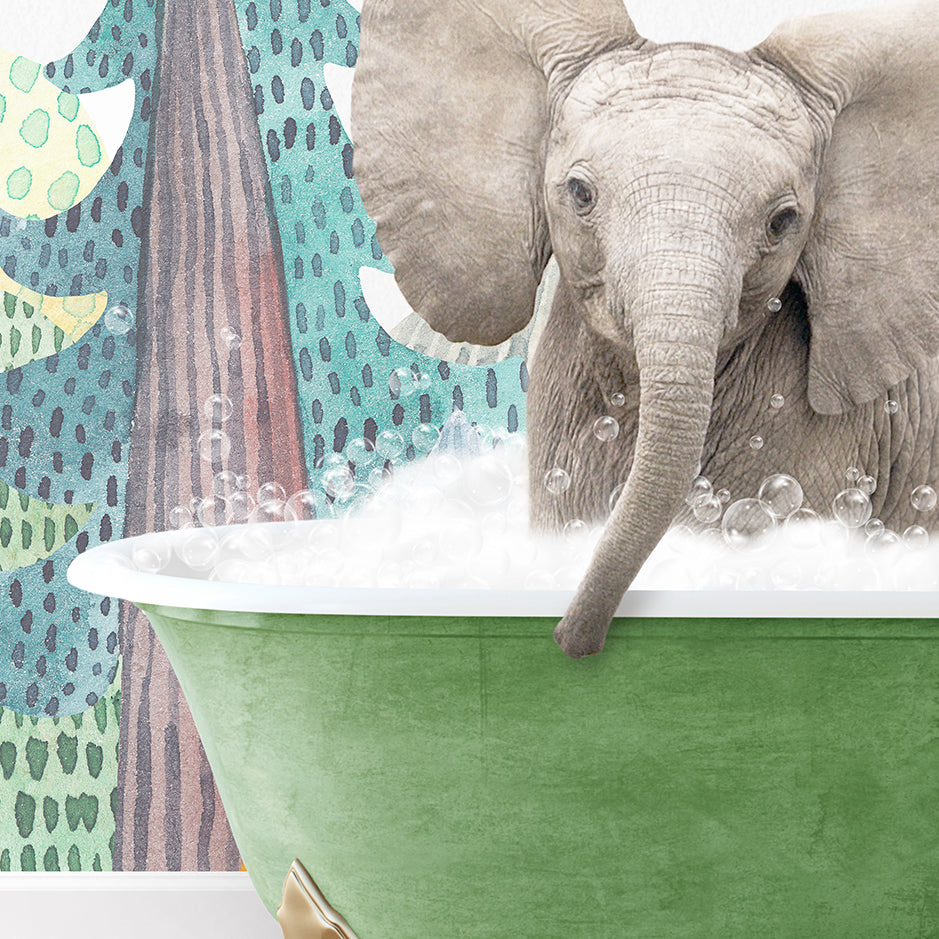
x=214 y=445
x=152 y=556
x=424 y=436
x=851 y=507
x=360 y=451
x=488 y=481
x=615 y=494
x=241 y=505
x=618 y=399
x=748 y=524
x=785 y=573
x=224 y=482
x=781 y=493
x=119 y=320
x=218 y=408
x=331 y=460
x=230 y=338
x=852 y=474
x=756 y=442
x=214 y=510
x=273 y=510
x=377 y=478
x=273 y=490
x=421 y=381
x=308 y=504
x=251 y=541
x=802 y=528
x=338 y=482
x=916 y=537
x=923 y=498
x=389 y=444
x=723 y=496
x=777 y=401
x=708 y=510
x=242 y=481
x=606 y=428
x=891 y=407
x=199 y=550
x=557 y=480
x=575 y=528
x=867 y=484
x=774 y=304
x=400 y=383
x=885 y=546
x=180 y=517
x=874 y=527
x=446 y=468
x=698 y=491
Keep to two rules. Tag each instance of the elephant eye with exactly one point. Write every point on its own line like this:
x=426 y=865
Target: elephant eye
x=581 y=194
x=781 y=223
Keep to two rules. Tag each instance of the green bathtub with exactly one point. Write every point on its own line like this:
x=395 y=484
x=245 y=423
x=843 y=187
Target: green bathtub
x=442 y=770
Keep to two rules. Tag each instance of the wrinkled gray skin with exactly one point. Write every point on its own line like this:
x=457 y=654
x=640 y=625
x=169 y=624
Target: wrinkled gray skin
x=680 y=187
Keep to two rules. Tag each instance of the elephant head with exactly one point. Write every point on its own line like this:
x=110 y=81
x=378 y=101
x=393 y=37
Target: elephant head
x=681 y=188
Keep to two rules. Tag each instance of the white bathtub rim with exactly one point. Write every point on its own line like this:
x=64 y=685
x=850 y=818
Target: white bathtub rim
x=106 y=570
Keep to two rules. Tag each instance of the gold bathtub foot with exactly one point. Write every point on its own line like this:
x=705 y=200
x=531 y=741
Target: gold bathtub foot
x=304 y=912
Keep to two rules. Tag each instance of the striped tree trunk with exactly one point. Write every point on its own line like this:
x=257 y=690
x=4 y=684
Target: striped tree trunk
x=211 y=260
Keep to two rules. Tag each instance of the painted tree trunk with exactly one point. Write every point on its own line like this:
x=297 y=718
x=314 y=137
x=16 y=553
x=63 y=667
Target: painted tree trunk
x=211 y=270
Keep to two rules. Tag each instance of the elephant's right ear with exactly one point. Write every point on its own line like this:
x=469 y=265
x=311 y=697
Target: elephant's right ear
x=450 y=113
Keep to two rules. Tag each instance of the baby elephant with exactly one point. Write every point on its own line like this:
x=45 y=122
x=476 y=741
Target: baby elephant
x=732 y=229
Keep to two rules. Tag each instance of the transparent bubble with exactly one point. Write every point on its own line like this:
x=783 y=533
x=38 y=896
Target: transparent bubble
x=446 y=468
x=119 y=320
x=886 y=545
x=214 y=510
x=748 y=524
x=923 y=498
x=200 y=550
x=424 y=436
x=224 y=482
x=421 y=381
x=756 y=442
x=389 y=444
x=852 y=474
x=852 y=508
x=194 y=504
x=273 y=490
x=218 y=408
x=606 y=428
x=916 y=537
x=230 y=338
x=874 y=527
x=723 y=495
x=338 y=482
x=360 y=451
x=273 y=510
x=781 y=493
x=400 y=383
x=180 y=517
x=306 y=504
x=618 y=399
x=488 y=481
x=777 y=401
x=557 y=480
x=242 y=482
x=891 y=406
x=803 y=529
x=332 y=460
x=708 y=510
x=241 y=504
x=377 y=478
x=151 y=557
x=774 y=304
x=214 y=445
x=699 y=490
x=615 y=494
x=867 y=484
x=575 y=528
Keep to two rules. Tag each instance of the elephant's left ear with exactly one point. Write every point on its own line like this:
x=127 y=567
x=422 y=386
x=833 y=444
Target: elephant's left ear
x=870 y=268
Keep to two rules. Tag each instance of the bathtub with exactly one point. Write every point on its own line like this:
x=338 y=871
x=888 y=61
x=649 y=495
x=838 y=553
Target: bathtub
x=732 y=765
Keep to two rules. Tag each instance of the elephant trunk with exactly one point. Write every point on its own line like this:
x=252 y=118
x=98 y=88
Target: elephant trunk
x=677 y=327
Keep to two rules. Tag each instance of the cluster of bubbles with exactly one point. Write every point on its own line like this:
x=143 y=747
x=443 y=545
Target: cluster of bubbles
x=773 y=540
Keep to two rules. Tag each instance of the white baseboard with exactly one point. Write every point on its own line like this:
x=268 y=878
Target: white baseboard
x=142 y=905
